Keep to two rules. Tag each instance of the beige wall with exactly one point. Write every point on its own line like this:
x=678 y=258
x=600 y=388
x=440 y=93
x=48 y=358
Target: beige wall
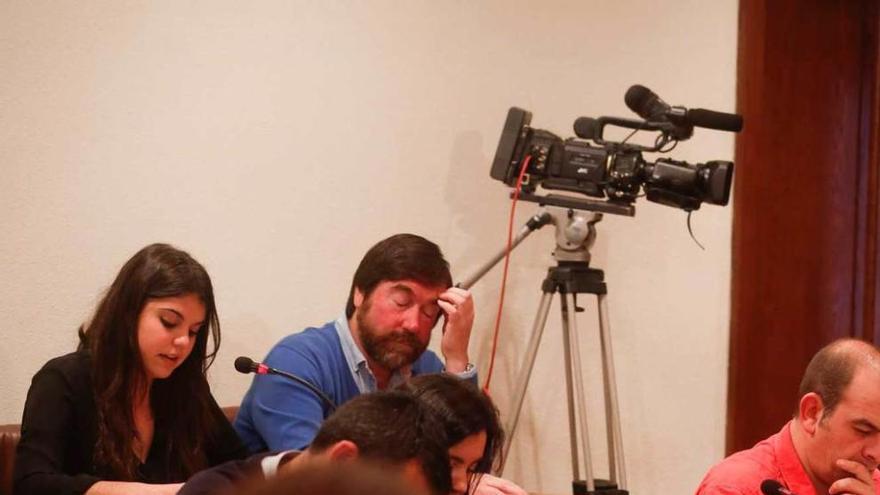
x=276 y=141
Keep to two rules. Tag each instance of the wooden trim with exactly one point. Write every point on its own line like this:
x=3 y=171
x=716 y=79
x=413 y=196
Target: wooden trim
x=805 y=221
x=867 y=283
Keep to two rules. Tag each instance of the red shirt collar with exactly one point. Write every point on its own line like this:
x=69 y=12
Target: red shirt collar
x=794 y=475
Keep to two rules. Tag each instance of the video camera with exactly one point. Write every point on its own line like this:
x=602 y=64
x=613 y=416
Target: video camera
x=600 y=168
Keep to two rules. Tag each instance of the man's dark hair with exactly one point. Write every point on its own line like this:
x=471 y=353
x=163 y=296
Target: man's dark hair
x=393 y=427
x=399 y=257
x=832 y=368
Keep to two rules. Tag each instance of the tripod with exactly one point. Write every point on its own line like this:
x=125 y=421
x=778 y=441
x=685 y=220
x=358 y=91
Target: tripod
x=572 y=275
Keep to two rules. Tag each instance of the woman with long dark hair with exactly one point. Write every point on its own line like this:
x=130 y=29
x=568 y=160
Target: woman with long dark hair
x=131 y=411
x=473 y=432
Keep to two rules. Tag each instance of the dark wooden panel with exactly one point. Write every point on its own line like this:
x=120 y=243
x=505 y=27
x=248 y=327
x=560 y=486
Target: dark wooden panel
x=802 y=198
x=868 y=256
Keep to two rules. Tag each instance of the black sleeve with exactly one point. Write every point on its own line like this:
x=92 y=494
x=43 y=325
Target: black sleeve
x=48 y=426
x=222 y=478
x=224 y=444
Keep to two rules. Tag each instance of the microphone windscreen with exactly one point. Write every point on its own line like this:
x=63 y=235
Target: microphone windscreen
x=771 y=487
x=637 y=98
x=585 y=128
x=244 y=364
x=720 y=121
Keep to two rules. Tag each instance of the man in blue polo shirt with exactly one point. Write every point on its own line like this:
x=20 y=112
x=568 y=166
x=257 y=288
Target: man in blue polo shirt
x=400 y=290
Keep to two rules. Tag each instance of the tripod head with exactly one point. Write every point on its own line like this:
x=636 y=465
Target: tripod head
x=575 y=233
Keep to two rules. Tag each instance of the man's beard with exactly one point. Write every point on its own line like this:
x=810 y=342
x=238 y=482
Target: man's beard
x=392 y=351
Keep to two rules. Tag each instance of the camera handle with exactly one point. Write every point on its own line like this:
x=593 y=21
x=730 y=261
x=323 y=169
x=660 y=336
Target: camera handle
x=572 y=275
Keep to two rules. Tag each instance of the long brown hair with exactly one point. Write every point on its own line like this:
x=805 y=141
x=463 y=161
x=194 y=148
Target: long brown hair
x=182 y=402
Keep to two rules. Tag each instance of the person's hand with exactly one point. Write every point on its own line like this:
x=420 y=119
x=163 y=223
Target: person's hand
x=458 y=317
x=168 y=489
x=860 y=483
x=130 y=488
x=491 y=485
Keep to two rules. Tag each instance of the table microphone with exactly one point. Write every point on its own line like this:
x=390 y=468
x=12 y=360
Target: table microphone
x=247 y=365
x=773 y=487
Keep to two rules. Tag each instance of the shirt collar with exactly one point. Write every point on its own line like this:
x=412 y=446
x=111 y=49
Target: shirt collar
x=353 y=355
x=355 y=359
x=794 y=476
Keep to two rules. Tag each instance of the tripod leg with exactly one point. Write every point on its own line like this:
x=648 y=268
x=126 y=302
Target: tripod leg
x=525 y=373
x=574 y=377
x=569 y=391
x=612 y=410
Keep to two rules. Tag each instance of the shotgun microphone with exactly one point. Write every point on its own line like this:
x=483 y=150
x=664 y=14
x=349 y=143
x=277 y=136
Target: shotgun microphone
x=649 y=106
x=247 y=365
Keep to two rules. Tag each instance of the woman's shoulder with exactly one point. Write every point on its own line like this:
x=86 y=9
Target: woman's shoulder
x=72 y=362
x=63 y=376
x=75 y=367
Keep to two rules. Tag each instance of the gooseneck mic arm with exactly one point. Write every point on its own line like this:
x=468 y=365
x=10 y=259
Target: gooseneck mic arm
x=247 y=365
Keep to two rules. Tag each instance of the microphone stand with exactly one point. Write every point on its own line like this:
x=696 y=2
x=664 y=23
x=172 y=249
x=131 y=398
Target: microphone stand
x=246 y=365
x=572 y=275
x=302 y=381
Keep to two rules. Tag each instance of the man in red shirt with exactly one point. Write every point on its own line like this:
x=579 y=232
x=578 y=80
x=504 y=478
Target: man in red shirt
x=831 y=446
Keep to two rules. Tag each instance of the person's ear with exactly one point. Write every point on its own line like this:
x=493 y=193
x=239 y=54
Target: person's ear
x=810 y=411
x=343 y=450
x=358 y=298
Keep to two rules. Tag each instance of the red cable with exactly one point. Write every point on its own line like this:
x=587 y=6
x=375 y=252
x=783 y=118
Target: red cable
x=516 y=191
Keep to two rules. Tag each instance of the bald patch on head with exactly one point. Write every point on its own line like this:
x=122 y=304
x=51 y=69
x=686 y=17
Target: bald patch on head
x=864 y=353
x=832 y=369
x=858 y=353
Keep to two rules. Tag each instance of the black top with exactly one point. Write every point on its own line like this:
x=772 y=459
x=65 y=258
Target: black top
x=59 y=432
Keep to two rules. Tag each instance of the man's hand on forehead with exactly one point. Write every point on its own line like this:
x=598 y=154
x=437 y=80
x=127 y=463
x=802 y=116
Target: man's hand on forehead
x=458 y=309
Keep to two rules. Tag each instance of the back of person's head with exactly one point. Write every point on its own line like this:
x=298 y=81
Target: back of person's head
x=832 y=369
x=111 y=339
x=349 y=478
x=463 y=409
x=399 y=257
x=390 y=427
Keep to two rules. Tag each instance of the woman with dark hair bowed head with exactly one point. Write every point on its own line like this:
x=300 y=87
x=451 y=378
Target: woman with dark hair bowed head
x=473 y=431
x=130 y=412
